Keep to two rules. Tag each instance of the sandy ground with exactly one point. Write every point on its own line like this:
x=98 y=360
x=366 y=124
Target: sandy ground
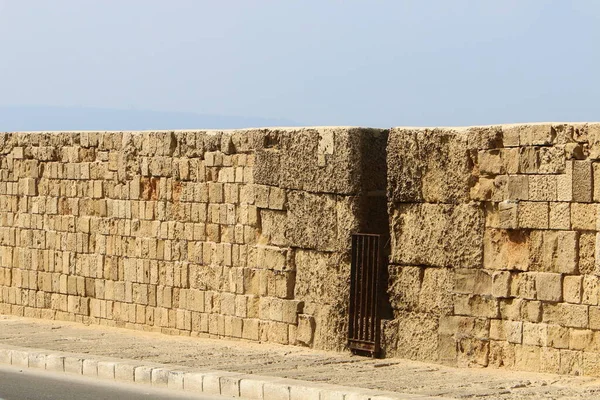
x=392 y=374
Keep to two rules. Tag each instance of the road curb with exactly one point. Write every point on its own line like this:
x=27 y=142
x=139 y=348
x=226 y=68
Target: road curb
x=213 y=382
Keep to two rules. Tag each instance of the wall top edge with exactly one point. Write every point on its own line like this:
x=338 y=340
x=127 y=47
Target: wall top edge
x=210 y=131
x=508 y=125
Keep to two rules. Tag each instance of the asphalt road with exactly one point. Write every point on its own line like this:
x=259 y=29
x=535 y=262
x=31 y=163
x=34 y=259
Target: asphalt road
x=30 y=384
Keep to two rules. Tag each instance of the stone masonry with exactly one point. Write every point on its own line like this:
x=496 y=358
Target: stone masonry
x=494 y=255
x=241 y=234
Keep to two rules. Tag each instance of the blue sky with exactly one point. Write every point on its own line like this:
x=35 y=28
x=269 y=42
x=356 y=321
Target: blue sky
x=315 y=62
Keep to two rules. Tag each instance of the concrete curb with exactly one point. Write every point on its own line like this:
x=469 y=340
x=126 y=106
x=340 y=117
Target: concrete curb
x=213 y=382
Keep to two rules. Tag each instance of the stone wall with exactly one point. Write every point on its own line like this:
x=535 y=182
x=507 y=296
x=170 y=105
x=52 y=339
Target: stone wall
x=241 y=234
x=494 y=257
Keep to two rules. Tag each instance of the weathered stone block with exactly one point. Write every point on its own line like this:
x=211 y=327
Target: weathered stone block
x=564 y=184
x=558 y=336
x=432 y=165
x=571 y=362
x=542 y=188
x=533 y=215
x=476 y=306
x=437 y=235
x=582 y=181
x=560 y=216
x=312 y=222
x=508 y=215
x=537 y=134
x=584 y=216
x=548 y=286
x=565 y=314
x=490 y=162
x=527 y=358
x=502 y=354
x=436 y=291
x=501 y=284
x=507 y=250
x=510 y=331
x=549 y=360
x=572 y=288
x=518 y=187
x=417 y=336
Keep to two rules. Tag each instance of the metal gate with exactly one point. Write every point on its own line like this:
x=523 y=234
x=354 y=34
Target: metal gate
x=365 y=286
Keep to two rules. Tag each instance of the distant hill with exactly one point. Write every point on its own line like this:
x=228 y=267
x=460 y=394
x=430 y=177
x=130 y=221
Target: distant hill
x=42 y=118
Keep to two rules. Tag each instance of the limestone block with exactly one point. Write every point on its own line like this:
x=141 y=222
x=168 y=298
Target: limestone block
x=574 y=151
x=472 y=281
x=548 y=286
x=565 y=314
x=490 y=189
x=510 y=331
x=558 y=336
x=572 y=288
x=510 y=136
x=592 y=133
x=529 y=160
x=28 y=186
x=484 y=137
x=582 y=181
x=554 y=251
x=277 y=198
x=476 y=306
x=571 y=362
x=435 y=296
x=560 y=216
x=518 y=187
x=527 y=358
x=502 y=354
x=582 y=339
x=268 y=167
x=523 y=285
x=508 y=215
x=306 y=330
x=404 y=286
x=312 y=222
x=278 y=332
x=594 y=317
x=587 y=248
x=542 y=187
x=537 y=134
x=510 y=158
x=564 y=184
x=274 y=225
x=404 y=167
x=533 y=215
x=417 y=336
x=459 y=327
x=472 y=352
x=437 y=235
x=591 y=363
x=507 y=250
x=535 y=334
x=549 y=360
x=491 y=162
x=335 y=168
x=250 y=329
x=584 y=216
x=552 y=159
x=590 y=292
x=501 y=283
x=432 y=165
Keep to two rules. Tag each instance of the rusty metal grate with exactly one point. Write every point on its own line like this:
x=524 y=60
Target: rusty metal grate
x=365 y=281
